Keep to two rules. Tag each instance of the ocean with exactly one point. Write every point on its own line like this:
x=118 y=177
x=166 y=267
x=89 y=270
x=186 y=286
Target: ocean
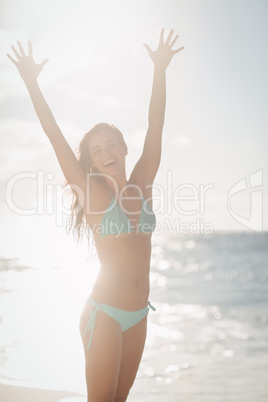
x=207 y=340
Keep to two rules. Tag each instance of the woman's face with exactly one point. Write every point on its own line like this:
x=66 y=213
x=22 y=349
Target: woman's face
x=107 y=154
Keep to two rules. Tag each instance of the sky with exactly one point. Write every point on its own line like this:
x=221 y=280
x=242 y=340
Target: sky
x=215 y=134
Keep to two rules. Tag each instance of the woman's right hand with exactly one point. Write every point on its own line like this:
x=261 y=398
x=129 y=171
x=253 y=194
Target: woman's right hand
x=28 y=69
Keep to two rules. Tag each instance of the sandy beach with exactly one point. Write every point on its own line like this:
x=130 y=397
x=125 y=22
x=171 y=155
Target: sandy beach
x=11 y=393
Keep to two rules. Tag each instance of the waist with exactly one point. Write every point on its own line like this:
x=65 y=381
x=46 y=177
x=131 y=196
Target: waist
x=101 y=306
x=124 y=292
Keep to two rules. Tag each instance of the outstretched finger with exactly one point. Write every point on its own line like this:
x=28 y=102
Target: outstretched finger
x=169 y=36
x=149 y=50
x=178 y=50
x=21 y=48
x=11 y=59
x=30 y=49
x=161 y=39
x=15 y=52
x=174 y=40
x=43 y=63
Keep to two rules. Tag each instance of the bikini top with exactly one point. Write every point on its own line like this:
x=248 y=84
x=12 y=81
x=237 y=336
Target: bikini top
x=115 y=221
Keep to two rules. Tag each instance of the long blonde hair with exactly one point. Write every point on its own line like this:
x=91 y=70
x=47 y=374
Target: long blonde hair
x=77 y=223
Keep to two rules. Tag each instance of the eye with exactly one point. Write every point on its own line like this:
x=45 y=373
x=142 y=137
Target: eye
x=96 y=151
x=112 y=144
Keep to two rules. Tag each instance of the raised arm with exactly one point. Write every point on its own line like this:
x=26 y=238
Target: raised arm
x=29 y=71
x=148 y=164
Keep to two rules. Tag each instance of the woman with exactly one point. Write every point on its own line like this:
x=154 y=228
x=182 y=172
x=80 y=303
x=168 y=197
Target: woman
x=119 y=213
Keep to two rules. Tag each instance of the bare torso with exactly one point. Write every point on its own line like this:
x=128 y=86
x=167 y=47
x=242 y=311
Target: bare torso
x=123 y=280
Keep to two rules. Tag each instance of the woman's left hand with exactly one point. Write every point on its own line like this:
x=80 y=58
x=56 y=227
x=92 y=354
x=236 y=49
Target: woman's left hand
x=163 y=54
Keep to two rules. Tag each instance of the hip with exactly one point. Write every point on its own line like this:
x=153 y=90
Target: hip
x=122 y=292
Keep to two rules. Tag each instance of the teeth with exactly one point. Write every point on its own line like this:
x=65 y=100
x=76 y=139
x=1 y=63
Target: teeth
x=108 y=162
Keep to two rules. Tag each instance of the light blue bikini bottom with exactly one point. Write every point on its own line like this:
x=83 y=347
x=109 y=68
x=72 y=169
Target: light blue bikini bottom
x=126 y=319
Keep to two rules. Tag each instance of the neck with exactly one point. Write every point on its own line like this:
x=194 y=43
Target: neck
x=117 y=183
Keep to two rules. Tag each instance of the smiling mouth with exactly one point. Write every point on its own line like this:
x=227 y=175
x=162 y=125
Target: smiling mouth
x=110 y=163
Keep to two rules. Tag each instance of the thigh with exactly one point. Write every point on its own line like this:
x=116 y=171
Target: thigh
x=133 y=346
x=103 y=358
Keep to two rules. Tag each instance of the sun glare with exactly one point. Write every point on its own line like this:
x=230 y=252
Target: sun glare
x=47 y=303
